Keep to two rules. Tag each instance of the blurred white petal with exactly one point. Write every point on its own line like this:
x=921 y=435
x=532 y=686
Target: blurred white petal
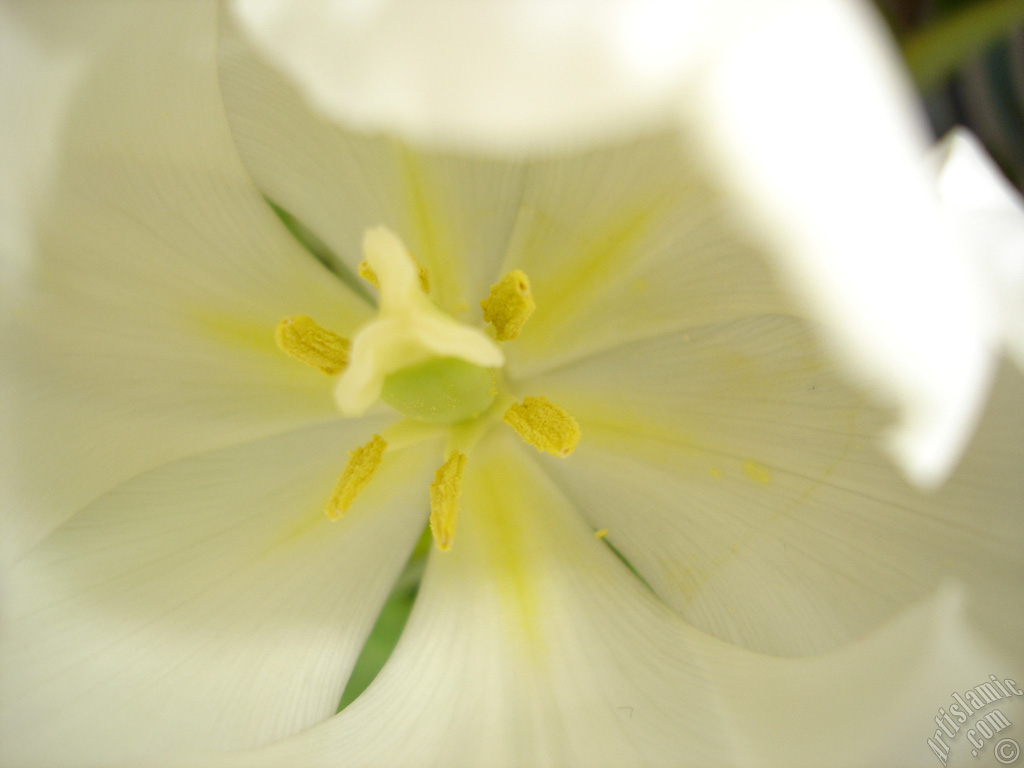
x=810 y=117
x=488 y=75
x=989 y=214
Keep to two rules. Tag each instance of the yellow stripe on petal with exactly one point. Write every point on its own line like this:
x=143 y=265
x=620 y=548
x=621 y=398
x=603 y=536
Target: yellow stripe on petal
x=544 y=425
x=509 y=305
x=362 y=464
x=300 y=337
x=444 y=500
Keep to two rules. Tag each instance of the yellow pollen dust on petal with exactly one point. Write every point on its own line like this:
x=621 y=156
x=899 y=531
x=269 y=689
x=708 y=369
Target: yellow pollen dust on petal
x=362 y=463
x=444 y=500
x=366 y=272
x=757 y=472
x=544 y=425
x=509 y=305
x=301 y=338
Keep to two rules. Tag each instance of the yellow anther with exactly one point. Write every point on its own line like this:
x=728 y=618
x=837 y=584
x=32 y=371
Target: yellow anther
x=366 y=272
x=600 y=533
x=362 y=463
x=544 y=425
x=509 y=305
x=444 y=500
x=301 y=338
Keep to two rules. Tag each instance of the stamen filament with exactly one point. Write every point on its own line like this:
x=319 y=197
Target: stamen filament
x=509 y=305
x=362 y=464
x=444 y=500
x=300 y=337
x=544 y=425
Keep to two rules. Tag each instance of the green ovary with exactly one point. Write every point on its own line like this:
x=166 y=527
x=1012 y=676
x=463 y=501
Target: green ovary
x=441 y=390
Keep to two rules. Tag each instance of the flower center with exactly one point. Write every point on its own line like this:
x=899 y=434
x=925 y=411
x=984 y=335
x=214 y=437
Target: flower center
x=436 y=366
x=430 y=368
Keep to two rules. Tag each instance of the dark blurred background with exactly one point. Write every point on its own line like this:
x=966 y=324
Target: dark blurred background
x=967 y=57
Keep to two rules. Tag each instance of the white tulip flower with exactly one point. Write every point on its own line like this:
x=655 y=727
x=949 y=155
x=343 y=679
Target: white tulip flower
x=626 y=299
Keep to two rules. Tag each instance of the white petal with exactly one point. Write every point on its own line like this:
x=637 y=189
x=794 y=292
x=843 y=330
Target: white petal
x=875 y=701
x=488 y=75
x=206 y=605
x=989 y=214
x=831 y=164
x=627 y=243
x=143 y=329
x=531 y=645
x=738 y=475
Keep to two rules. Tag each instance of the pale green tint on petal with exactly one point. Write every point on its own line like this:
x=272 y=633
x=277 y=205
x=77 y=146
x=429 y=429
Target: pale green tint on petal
x=206 y=605
x=829 y=157
x=531 y=645
x=741 y=478
x=143 y=328
x=454 y=213
x=989 y=214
